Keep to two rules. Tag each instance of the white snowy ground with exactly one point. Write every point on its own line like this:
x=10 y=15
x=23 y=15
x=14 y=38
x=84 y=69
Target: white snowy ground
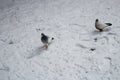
x=71 y=23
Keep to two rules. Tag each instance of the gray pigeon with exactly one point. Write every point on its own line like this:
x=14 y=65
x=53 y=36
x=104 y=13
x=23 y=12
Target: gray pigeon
x=45 y=39
x=100 y=25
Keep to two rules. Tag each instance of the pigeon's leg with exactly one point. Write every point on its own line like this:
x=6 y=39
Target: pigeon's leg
x=100 y=30
x=46 y=46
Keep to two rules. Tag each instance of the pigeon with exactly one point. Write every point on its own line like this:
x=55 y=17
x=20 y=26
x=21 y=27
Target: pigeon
x=45 y=39
x=100 y=26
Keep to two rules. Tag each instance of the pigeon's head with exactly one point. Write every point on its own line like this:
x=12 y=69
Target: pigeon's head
x=42 y=34
x=96 y=20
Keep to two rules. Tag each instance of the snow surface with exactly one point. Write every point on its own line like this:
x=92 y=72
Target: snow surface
x=79 y=51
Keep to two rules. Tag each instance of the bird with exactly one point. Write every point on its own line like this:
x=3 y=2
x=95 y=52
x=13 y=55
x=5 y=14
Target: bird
x=100 y=25
x=45 y=39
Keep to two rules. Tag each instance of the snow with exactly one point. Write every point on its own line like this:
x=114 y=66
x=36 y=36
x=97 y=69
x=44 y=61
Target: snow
x=78 y=52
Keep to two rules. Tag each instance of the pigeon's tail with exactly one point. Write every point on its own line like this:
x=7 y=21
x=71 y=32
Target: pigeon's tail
x=108 y=24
